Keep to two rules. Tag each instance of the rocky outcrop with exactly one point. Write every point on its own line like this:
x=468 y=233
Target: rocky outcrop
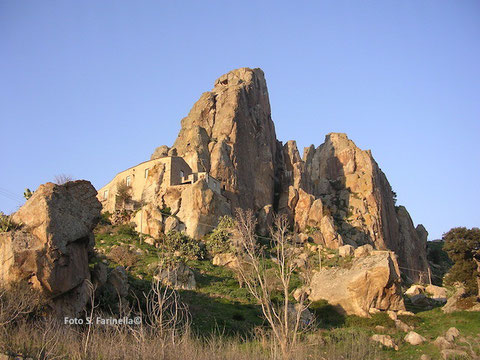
x=371 y=282
x=201 y=208
x=51 y=250
x=336 y=193
x=355 y=195
x=226 y=259
x=179 y=276
x=160 y=152
x=230 y=134
x=414 y=338
x=385 y=340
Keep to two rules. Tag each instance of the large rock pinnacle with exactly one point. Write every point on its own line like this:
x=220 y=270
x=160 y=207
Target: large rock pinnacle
x=229 y=133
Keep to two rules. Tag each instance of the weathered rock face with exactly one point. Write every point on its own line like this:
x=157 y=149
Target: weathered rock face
x=351 y=190
x=178 y=277
x=193 y=208
x=336 y=193
x=371 y=282
x=230 y=134
x=51 y=249
x=226 y=259
x=161 y=151
x=201 y=208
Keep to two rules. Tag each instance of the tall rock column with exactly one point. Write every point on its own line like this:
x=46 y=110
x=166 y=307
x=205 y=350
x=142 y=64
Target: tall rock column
x=229 y=133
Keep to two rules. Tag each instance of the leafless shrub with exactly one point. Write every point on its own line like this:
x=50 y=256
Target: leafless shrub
x=62 y=179
x=261 y=280
x=17 y=302
x=165 y=312
x=123 y=256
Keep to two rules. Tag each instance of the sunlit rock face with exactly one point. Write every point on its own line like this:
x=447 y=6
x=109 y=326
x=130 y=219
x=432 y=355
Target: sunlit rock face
x=51 y=249
x=356 y=194
x=229 y=133
x=336 y=193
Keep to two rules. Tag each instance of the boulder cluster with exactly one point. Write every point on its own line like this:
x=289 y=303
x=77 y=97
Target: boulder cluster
x=335 y=196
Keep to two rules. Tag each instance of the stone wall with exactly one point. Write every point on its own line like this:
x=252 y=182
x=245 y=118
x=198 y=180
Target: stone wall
x=139 y=179
x=177 y=167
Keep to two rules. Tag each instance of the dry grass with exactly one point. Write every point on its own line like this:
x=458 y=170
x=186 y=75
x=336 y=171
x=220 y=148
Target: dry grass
x=164 y=333
x=48 y=339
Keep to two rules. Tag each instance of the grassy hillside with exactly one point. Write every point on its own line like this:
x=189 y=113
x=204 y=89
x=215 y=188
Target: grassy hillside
x=220 y=306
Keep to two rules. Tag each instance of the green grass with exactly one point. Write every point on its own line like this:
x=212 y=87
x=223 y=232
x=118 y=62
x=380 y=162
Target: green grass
x=433 y=323
x=219 y=306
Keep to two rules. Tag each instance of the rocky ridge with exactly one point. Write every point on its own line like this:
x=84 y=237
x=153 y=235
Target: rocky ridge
x=335 y=194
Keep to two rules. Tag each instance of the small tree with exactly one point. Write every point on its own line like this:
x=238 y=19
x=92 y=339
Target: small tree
x=123 y=192
x=62 y=179
x=463 y=247
x=256 y=273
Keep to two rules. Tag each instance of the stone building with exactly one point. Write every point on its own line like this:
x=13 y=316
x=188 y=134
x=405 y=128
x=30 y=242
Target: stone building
x=175 y=172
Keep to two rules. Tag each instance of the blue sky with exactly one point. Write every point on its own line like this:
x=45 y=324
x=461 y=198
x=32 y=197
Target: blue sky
x=89 y=88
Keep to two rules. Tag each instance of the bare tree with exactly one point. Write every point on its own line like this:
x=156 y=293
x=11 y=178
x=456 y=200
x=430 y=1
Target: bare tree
x=284 y=318
x=166 y=315
x=62 y=179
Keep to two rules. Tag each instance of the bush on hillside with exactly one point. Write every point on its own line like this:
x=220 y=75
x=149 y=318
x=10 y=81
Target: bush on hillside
x=6 y=223
x=105 y=218
x=181 y=245
x=126 y=230
x=220 y=239
x=123 y=256
x=462 y=246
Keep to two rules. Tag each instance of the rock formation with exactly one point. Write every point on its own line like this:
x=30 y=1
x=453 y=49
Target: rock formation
x=371 y=282
x=353 y=200
x=336 y=193
x=230 y=134
x=50 y=251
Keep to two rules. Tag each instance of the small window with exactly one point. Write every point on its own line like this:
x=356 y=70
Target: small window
x=128 y=180
x=182 y=174
x=146 y=173
x=105 y=195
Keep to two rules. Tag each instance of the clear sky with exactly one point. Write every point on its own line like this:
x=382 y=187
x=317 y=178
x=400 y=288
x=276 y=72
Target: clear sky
x=89 y=88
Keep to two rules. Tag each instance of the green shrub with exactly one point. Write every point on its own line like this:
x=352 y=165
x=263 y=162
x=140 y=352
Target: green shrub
x=127 y=230
x=219 y=240
x=123 y=192
x=105 y=218
x=462 y=246
x=27 y=194
x=6 y=223
x=181 y=245
x=311 y=229
x=166 y=211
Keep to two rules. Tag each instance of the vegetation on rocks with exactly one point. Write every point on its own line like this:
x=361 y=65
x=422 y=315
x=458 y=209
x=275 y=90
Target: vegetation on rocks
x=219 y=240
x=224 y=320
x=463 y=247
x=7 y=224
